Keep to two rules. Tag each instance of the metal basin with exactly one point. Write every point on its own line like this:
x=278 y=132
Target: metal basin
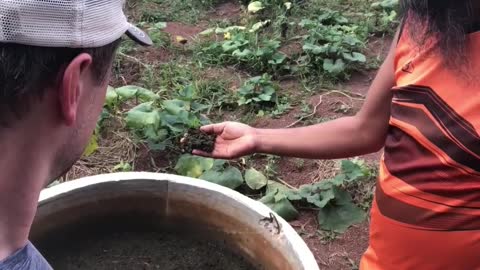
x=168 y=202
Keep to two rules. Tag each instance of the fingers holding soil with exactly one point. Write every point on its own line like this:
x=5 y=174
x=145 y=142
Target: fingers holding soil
x=213 y=129
x=198 y=142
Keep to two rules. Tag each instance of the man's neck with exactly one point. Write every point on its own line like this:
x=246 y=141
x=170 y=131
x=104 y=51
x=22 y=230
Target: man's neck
x=23 y=173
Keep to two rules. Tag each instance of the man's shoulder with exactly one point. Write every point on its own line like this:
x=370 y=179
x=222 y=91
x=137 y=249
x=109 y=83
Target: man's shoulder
x=27 y=258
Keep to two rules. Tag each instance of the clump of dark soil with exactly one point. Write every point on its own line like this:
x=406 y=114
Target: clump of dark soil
x=142 y=250
x=195 y=139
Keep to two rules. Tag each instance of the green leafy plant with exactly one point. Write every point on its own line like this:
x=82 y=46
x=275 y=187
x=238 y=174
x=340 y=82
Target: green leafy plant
x=337 y=211
x=215 y=171
x=384 y=16
x=122 y=167
x=161 y=122
x=258 y=90
x=117 y=96
x=332 y=45
x=243 y=47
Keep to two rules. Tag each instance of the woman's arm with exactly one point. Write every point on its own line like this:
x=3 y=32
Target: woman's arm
x=344 y=137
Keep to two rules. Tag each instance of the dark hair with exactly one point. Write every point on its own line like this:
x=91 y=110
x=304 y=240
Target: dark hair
x=26 y=72
x=447 y=21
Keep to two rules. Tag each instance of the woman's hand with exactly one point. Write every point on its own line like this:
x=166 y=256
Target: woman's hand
x=234 y=140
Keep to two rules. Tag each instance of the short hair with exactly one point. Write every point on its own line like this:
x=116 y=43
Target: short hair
x=27 y=72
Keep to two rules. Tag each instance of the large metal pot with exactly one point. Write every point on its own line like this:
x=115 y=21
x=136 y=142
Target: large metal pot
x=246 y=225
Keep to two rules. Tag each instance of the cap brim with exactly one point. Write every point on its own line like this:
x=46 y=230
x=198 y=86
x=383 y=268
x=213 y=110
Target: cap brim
x=138 y=36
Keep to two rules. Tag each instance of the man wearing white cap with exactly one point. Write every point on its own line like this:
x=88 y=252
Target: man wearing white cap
x=55 y=61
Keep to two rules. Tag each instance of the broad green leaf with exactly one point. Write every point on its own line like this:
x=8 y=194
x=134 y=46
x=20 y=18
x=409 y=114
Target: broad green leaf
x=197 y=107
x=340 y=214
x=174 y=106
x=132 y=91
x=352 y=171
x=160 y=25
x=269 y=90
x=334 y=68
x=231 y=46
x=242 y=53
x=306 y=190
x=385 y=4
x=188 y=93
x=111 y=99
x=321 y=199
x=339 y=218
x=145 y=95
x=294 y=195
x=315 y=49
x=127 y=92
x=157 y=146
x=359 y=57
x=351 y=40
x=219 y=164
x=255 y=7
x=277 y=59
x=307 y=23
x=274 y=186
x=283 y=208
x=231 y=177
x=355 y=57
x=154 y=135
x=193 y=166
x=142 y=116
x=92 y=146
x=255 y=179
x=265 y=97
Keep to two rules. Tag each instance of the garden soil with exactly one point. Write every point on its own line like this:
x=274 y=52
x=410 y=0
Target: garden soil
x=141 y=250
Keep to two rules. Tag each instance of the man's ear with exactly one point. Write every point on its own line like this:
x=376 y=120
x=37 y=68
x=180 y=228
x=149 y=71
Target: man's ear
x=71 y=86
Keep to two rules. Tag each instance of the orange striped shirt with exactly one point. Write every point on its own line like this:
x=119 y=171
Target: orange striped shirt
x=426 y=213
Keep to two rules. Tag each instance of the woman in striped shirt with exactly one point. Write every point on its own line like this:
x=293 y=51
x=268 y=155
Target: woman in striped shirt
x=423 y=108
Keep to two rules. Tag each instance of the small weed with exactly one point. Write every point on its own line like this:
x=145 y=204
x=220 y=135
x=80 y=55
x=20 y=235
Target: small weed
x=283 y=107
x=327 y=237
x=271 y=168
x=299 y=163
x=122 y=167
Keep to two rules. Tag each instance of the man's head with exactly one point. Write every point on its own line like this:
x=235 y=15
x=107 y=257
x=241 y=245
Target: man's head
x=55 y=62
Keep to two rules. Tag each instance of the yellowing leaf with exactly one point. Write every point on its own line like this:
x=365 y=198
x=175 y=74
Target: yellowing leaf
x=207 y=32
x=259 y=25
x=181 y=40
x=227 y=36
x=193 y=166
x=255 y=179
x=160 y=25
x=92 y=146
x=255 y=7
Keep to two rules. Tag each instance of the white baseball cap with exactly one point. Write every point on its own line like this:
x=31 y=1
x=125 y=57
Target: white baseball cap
x=66 y=23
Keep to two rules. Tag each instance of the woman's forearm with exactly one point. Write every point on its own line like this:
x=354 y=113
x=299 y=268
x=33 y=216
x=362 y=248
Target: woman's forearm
x=341 y=138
